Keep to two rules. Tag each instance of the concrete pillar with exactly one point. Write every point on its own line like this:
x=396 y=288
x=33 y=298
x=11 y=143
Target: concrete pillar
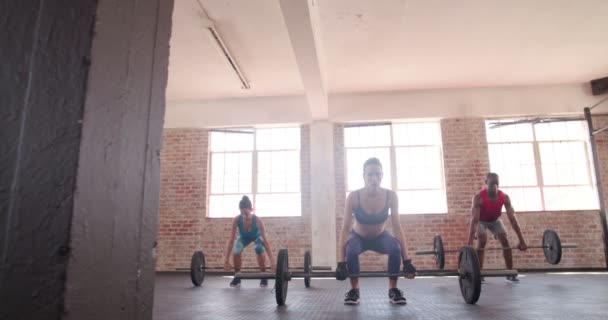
x=323 y=193
x=81 y=110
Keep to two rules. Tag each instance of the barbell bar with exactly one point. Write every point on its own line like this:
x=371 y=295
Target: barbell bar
x=198 y=268
x=468 y=273
x=376 y=274
x=551 y=245
x=322 y=268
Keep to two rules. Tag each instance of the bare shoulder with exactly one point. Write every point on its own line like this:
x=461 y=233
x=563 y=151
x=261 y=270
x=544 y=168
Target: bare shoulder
x=352 y=198
x=477 y=199
x=258 y=219
x=393 y=197
x=507 y=198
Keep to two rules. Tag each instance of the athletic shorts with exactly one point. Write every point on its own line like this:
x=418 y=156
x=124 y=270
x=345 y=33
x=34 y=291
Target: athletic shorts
x=495 y=227
x=241 y=243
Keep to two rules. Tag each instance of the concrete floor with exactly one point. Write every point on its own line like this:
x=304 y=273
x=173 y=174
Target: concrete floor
x=538 y=296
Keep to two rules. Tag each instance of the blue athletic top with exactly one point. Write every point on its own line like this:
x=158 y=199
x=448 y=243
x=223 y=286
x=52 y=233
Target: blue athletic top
x=366 y=218
x=252 y=234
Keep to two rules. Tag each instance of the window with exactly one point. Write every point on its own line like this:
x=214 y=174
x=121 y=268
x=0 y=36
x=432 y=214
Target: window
x=542 y=166
x=412 y=162
x=261 y=163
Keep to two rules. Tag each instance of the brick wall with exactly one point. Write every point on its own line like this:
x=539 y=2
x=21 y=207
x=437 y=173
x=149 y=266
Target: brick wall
x=184 y=226
x=466 y=163
x=183 y=196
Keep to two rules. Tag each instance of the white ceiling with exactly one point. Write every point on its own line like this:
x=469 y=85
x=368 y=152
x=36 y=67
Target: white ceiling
x=256 y=37
x=386 y=45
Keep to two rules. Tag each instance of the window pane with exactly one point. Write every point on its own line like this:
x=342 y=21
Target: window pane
x=509 y=133
x=422 y=133
x=278 y=138
x=355 y=158
x=231 y=172
x=419 y=168
x=223 y=206
x=278 y=171
x=217 y=172
x=232 y=141
x=524 y=199
x=278 y=205
x=570 y=198
x=514 y=163
x=367 y=136
x=564 y=163
x=567 y=130
x=427 y=201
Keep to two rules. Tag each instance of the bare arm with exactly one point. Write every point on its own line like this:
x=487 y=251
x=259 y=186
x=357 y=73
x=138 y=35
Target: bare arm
x=231 y=241
x=475 y=211
x=513 y=219
x=397 y=231
x=265 y=239
x=347 y=223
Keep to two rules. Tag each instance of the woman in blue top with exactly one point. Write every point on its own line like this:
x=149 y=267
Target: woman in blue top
x=251 y=229
x=370 y=208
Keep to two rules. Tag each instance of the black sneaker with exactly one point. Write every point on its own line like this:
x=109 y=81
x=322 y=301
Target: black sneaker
x=512 y=279
x=264 y=283
x=352 y=297
x=236 y=282
x=396 y=296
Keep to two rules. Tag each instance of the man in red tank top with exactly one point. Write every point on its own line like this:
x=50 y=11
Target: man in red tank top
x=485 y=214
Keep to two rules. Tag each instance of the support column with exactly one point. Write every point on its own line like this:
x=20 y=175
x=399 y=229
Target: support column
x=323 y=193
x=82 y=99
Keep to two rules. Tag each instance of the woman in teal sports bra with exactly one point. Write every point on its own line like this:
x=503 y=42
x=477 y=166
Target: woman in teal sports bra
x=250 y=229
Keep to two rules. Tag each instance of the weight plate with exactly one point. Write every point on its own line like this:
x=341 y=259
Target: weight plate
x=197 y=268
x=552 y=247
x=282 y=277
x=469 y=275
x=307 y=268
x=439 y=252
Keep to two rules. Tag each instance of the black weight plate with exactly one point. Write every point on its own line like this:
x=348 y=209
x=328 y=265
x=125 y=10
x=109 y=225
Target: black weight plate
x=281 y=280
x=439 y=252
x=197 y=268
x=552 y=246
x=307 y=268
x=470 y=275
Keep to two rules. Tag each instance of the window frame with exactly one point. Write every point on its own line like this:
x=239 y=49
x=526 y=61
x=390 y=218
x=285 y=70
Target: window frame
x=254 y=167
x=538 y=165
x=394 y=166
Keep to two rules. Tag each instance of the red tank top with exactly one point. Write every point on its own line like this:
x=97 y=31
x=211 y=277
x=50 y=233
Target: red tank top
x=491 y=211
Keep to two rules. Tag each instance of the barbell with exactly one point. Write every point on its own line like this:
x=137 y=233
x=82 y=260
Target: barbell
x=551 y=245
x=468 y=273
x=198 y=268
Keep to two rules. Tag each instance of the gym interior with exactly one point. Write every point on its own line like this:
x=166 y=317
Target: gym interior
x=131 y=130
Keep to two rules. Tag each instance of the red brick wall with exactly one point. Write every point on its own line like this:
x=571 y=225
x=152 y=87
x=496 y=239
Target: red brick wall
x=184 y=226
x=183 y=196
x=466 y=163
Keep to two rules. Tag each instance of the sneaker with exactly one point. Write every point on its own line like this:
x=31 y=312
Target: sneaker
x=236 y=282
x=264 y=283
x=483 y=279
x=396 y=296
x=352 y=297
x=512 y=279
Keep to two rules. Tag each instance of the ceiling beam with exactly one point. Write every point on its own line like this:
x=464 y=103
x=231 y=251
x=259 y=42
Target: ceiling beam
x=303 y=25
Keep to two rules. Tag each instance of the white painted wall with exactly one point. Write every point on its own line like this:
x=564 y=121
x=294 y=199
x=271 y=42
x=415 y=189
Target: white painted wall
x=323 y=194
x=454 y=103
x=446 y=103
x=237 y=112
